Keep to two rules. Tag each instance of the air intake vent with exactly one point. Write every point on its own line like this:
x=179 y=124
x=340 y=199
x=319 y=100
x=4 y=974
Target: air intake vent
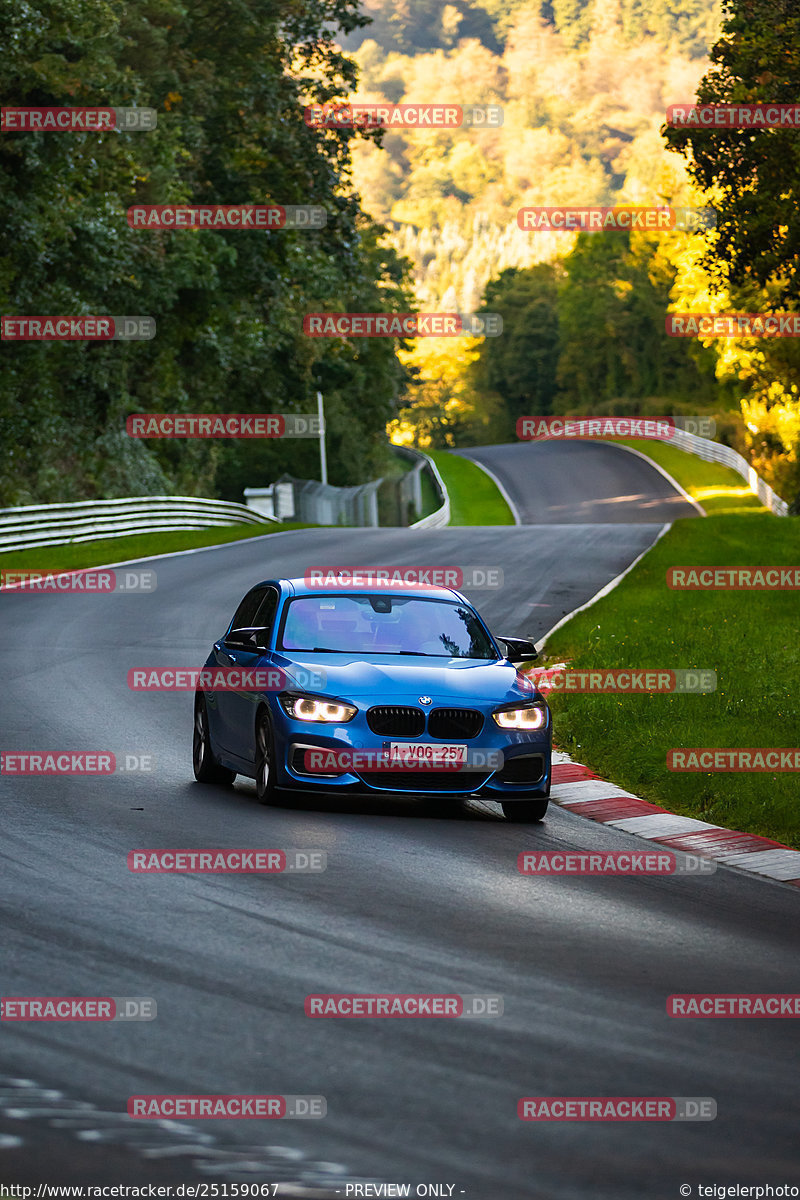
x=396 y=720
x=457 y=723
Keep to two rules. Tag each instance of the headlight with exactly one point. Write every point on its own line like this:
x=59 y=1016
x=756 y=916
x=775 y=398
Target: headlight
x=533 y=716
x=317 y=708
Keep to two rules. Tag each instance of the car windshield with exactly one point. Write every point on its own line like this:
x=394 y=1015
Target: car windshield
x=374 y=624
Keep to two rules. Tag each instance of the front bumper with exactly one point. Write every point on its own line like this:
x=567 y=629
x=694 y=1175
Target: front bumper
x=525 y=757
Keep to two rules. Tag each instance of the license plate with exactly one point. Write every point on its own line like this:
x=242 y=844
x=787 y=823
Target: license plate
x=423 y=754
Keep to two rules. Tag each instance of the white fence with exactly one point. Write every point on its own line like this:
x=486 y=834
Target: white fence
x=57 y=524
x=715 y=452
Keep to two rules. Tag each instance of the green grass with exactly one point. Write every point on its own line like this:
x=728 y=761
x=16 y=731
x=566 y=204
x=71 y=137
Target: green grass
x=474 y=498
x=749 y=638
x=77 y=555
x=718 y=489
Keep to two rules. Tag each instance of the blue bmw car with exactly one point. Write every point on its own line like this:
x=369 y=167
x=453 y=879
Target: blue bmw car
x=371 y=690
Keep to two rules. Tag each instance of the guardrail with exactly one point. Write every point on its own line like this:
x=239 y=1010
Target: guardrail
x=85 y=521
x=441 y=516
x=716 y=452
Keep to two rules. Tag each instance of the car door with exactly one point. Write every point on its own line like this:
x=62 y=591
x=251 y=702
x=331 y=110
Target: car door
x=238 y=708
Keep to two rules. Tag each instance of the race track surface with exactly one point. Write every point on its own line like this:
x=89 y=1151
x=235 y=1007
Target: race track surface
x=412 y=901
x=566 y=483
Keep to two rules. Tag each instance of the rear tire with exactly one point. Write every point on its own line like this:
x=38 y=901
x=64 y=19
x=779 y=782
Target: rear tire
x=524 y=811
x=206 y=767
x=265 y=759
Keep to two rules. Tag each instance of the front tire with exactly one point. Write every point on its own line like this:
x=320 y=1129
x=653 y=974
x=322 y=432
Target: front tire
x=524 y=811
x=206 y=767
x=265 y=759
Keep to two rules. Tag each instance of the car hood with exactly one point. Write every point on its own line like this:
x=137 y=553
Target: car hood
x=392 y=678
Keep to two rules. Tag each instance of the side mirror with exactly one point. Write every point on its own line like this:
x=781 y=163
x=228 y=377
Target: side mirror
x=251 y=638
x=519 y=649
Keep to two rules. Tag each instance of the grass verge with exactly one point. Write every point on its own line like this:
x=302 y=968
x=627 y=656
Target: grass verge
x=474 y=498
x=77 y=555
x=748 y=638
x=718 y=489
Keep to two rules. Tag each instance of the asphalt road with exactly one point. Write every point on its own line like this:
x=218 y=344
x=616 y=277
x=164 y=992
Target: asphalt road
x=412 y=900
x=575 y=482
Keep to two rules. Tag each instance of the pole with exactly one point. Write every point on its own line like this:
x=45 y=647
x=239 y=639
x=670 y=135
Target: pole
x=323 y=461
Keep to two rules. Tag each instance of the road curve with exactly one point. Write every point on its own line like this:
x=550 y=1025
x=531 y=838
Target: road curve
x=576 y=482
x=411 y=901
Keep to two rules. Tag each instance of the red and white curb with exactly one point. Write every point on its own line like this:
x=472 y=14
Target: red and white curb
x=579 y=790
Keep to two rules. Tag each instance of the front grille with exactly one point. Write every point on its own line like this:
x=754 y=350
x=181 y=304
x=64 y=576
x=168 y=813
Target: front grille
x=459 y=723
x=424 y=781
x=525 y=768
x=396 y=720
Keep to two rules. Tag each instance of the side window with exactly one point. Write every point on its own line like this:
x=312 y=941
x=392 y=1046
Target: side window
x=265 y=613
x=243 y=617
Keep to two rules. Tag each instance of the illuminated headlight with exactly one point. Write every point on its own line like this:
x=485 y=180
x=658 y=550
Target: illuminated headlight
x=532 y=716
x=317 y=708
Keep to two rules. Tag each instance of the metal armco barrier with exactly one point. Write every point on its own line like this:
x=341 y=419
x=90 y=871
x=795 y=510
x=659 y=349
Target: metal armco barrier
x=88 y=520
x=715 y=452
x=441 y=516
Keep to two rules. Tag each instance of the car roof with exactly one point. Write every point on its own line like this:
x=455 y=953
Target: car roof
x=301 y=587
